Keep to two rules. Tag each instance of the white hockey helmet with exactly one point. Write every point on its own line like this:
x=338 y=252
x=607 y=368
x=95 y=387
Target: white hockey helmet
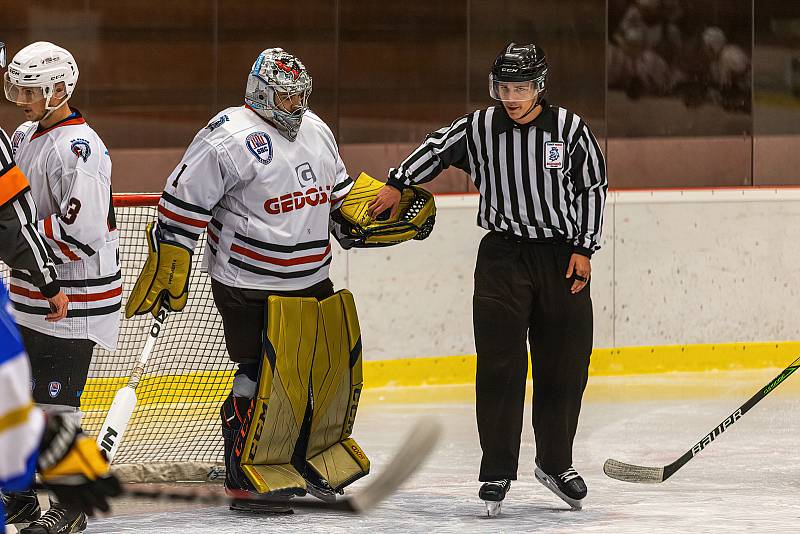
x=278 y=88
x=38 y=72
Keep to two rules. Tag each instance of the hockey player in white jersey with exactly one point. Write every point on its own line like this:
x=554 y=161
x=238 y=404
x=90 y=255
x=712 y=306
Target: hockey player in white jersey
x=70 y=462
x=264 y=180
x=69 y=170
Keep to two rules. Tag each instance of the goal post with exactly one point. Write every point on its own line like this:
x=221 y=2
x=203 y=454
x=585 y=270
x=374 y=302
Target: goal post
x=174 y=431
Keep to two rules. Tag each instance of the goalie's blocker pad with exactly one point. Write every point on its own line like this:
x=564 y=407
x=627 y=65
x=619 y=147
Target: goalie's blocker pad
x=414 y=219
x=312 y=351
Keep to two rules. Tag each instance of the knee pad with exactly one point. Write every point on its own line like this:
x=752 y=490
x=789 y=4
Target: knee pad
x=312 y=357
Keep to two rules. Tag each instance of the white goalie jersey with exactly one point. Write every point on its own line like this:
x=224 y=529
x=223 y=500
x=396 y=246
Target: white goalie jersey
x=264 y=200
x=69 y=171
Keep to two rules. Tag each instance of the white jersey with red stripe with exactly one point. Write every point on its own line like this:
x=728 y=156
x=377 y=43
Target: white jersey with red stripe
x=266 y=201
x=69 y=171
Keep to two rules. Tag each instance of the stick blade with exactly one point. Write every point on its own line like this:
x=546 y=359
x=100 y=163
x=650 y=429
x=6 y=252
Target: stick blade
x=633 y=473
x=413 y=453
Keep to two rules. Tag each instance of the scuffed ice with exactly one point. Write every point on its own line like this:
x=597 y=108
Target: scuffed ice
x=747 y=481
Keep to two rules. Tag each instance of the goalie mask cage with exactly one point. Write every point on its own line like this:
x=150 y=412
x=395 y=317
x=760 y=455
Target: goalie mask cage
x=174 y=433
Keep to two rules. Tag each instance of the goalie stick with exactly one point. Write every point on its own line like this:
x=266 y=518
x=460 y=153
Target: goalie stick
x=654 y=475
x=413 y=452
x=119 y=415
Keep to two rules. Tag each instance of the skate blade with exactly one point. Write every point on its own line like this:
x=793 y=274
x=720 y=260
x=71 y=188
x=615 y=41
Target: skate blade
x=493 y=508
x=255 y=507
x=323 y=495
x=544 y=479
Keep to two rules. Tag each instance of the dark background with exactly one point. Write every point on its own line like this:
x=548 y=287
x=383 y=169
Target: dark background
x=385 y=73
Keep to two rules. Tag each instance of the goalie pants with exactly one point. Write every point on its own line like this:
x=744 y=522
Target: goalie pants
x=244 y=311
x=522 y=295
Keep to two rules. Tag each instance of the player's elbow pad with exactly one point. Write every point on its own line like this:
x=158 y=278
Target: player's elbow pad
x=163 y=280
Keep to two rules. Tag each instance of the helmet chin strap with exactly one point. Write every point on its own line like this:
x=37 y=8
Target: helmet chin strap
x=50 y=111
x=533 y=106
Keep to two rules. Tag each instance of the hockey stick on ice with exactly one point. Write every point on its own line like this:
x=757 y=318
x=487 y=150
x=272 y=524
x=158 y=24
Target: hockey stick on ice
x=412 y=454
x=654 y=475
x=119 y=415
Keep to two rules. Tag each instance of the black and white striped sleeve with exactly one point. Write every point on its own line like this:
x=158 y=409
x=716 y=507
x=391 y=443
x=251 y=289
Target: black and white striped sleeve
x=440 y=149
x=21 y=246
x=588 y=176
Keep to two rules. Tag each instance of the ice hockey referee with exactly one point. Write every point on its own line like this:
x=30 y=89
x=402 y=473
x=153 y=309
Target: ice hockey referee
x=542 y=182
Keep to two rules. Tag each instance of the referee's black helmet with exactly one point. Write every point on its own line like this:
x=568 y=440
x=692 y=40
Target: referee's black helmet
x=521 y=63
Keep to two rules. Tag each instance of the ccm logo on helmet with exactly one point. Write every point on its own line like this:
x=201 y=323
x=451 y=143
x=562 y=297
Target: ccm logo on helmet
x=297 y=200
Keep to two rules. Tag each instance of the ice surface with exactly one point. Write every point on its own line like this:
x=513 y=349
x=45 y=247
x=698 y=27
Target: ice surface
x=748 y=480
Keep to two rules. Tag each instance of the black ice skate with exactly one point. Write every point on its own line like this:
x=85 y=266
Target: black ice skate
x=57 y=520
x=493 y=493
x=319 y=487
x=569 y=485
x=22 y=507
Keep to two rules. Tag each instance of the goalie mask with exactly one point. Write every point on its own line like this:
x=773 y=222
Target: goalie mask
x=353 y=227
x=278 y=88
x=41 y=71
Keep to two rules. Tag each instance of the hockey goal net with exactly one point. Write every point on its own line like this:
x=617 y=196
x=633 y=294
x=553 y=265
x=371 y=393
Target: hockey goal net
x=174 y=432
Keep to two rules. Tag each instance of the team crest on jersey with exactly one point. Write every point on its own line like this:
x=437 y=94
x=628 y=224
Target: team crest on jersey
x=554 y=155
x=54 y=388
x=16 y=140
x=305 y=175
x=80 y=147
x=260 y=145
x=213 y=125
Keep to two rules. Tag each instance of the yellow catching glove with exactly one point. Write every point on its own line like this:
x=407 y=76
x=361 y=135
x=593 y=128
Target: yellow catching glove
x=73 y=468
x=164 y=278
x=353 y=226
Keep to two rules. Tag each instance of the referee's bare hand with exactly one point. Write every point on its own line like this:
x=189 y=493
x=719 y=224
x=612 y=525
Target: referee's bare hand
x=387 y=198
x=581 y=268
x=58 y=307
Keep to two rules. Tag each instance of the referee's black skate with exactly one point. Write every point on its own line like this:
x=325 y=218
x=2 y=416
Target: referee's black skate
x=21 y=507
x=568 y=486
x=57 y=520
x=493 y=493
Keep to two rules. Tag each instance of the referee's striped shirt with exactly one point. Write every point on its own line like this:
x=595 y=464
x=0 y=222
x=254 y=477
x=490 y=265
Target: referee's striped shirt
x=21 y=246
x=545 y=180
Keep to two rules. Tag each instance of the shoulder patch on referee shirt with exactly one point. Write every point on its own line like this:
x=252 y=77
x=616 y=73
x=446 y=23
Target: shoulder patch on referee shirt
x=554 y=155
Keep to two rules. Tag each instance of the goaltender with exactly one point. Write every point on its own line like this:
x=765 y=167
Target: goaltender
x=266 y=182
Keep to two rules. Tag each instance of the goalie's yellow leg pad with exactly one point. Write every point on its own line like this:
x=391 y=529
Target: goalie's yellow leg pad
x=310 y=344
x=282 y=395
x=336 y=381
x=341 y=464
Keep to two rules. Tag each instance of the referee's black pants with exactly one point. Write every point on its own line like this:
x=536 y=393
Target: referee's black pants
x=522 y=294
